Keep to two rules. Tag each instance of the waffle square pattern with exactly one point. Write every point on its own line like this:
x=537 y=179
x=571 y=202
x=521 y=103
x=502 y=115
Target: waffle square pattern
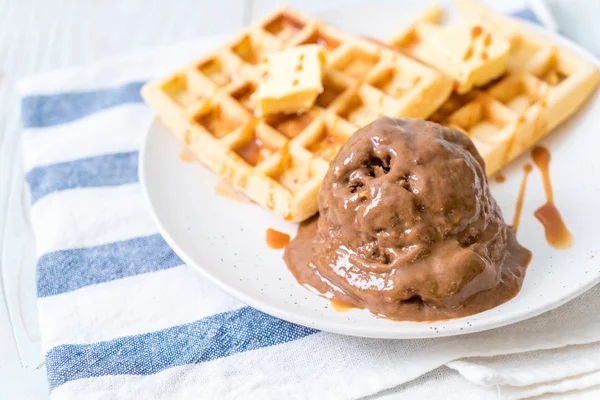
x=509 y=88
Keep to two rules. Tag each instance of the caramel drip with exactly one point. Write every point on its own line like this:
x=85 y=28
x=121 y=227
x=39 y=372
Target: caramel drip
x=277 y=240
x=251 y=151
x=486 y=43
x=541 y=158
x=519 y=207
x=557 y=234
x=340 y=306
x=488 y=40
x=186 y=157
x=468 y=54
x=224 y=189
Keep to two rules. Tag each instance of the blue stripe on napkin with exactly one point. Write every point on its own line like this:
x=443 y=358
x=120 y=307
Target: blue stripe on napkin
x=216 y=336
x=53 y=109
x=528 y=15
x=66 y=270
x=105 y=170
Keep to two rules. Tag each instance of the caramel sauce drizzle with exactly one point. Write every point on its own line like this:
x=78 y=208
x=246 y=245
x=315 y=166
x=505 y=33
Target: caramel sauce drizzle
x=557 y=234
x=468 y=54
x=224 y=189
x=250 y=151
x=488 y=40
x=519 y=207
x=186 y=157
x=277 y=240
x=476 y=31
x=339 y=306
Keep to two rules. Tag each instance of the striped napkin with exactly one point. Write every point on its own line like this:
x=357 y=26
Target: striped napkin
x=122 y=317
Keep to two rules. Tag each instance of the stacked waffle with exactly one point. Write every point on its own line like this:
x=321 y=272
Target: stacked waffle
x=505 y=92
x=510 y=109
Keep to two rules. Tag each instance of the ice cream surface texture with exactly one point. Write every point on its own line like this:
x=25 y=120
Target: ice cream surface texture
x=408 y=227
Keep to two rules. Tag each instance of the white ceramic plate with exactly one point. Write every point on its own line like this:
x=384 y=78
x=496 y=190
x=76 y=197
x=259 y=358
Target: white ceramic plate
x=225 y=240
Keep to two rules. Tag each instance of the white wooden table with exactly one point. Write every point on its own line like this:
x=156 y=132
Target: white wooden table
x=40 y=35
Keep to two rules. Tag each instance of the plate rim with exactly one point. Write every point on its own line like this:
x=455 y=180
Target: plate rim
x=492 y=322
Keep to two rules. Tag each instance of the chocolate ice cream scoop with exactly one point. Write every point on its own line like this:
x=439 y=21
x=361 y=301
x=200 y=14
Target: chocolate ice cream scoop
x=408 y=227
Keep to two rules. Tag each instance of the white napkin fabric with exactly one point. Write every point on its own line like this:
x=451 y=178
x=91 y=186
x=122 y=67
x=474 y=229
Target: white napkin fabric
x=122 y=317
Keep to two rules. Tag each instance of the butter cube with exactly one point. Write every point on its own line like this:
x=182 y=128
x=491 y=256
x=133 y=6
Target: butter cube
x=292 y=80
x=468 y=52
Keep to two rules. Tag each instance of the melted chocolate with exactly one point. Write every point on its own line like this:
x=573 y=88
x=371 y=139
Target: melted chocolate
x=408 y=227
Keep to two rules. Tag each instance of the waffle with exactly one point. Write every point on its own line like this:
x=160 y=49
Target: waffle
x=541 y=87
x=280 y=161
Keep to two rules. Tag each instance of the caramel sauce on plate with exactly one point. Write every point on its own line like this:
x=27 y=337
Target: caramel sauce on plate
x=340 y=306
x=500 y=179
x=250 y=152
x=186 y=157
x=224 y=189
x=557 y=234
x=277 y=240
x=519 y=207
